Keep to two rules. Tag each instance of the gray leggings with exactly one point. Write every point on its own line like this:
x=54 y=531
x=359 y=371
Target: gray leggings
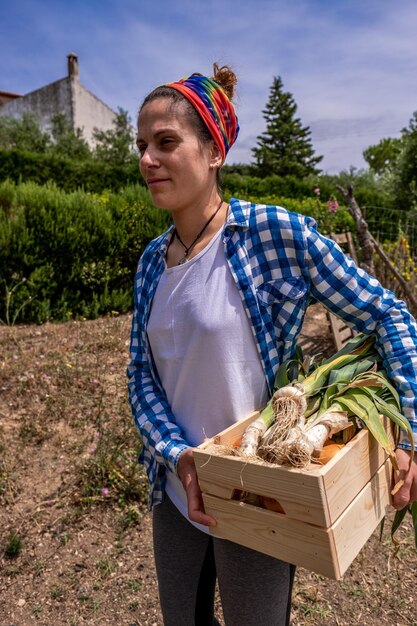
x=255 y=589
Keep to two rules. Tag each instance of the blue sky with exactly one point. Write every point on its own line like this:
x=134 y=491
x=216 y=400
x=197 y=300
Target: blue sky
x=350 y=65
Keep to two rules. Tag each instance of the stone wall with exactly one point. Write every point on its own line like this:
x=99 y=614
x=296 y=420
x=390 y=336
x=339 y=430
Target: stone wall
x=44 y=103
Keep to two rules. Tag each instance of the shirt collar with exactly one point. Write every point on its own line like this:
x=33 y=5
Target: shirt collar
x=238 y=215
x=166 y=239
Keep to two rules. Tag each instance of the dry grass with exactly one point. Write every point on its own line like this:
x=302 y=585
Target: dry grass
x=75 y=540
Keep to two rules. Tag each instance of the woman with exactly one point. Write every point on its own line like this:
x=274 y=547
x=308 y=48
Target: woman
x=219 y=302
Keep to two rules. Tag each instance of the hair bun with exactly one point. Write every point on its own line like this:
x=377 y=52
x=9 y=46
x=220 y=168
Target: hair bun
x=226 y=78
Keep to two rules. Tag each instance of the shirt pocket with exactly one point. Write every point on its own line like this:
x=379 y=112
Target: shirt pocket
x=282 y=290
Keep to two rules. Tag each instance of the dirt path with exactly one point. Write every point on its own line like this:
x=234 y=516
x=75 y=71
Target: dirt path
x=75 y=539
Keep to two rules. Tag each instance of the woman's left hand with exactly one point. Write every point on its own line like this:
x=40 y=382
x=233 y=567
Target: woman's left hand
x=408 y=491
x=188 y=475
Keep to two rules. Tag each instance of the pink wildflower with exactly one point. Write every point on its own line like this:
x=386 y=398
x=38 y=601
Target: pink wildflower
x=317 y=191
x=105 y=491
x=332 y=205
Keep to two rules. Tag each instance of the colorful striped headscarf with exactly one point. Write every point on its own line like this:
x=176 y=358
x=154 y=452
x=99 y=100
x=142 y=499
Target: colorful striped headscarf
x=213 y=106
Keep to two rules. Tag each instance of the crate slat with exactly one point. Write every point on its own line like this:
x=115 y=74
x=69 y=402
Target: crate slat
x=316 y=495
x=326 y=551
x=330 y=510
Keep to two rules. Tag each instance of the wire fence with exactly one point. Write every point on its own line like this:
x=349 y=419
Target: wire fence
x=387 y=225
x=396 y=231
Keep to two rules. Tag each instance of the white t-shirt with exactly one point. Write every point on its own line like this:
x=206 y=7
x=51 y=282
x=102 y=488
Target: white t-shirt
x=204 y=351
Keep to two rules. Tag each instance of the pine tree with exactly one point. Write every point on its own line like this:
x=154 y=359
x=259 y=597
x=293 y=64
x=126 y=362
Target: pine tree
x=285 y=147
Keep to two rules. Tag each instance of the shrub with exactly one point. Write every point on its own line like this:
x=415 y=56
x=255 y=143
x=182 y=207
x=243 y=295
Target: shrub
x=68 y=174
x=72 y=254
x=329 y=217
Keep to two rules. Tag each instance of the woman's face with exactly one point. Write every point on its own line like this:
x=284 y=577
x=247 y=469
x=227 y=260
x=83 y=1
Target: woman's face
x=179 y=169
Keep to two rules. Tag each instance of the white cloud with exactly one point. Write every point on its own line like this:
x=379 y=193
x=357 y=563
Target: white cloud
x=351 y=66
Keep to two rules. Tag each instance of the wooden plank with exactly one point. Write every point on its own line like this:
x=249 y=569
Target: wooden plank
x=345 y=333
x=215 y=489
x=317 y=495
x=357 y=462
x=274 y=534
x=354 y=527
x=346 y=239
x=300 y=492
x=326 y=551
x=341 y=333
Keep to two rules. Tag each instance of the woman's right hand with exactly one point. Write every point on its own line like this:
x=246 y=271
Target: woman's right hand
x=188 y=475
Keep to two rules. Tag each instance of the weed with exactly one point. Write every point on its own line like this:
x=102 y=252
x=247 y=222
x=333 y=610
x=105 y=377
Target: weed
x=105 y=567
x=36 y=611
x=130 y=517
x=39 y=567
x=3 y=479
x=133 y=605
x=13 y=546
x=11 y=312
x=83 y=597
x=12 y=570
x=112 y=472
x=356 y=592
x=64 y=537
x=95 y=605
x=30 y=432
x=315 y=610
x=56 y=592
x=134 y=585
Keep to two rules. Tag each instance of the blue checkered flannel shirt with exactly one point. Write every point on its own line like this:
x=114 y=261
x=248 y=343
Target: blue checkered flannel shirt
x=279 y=261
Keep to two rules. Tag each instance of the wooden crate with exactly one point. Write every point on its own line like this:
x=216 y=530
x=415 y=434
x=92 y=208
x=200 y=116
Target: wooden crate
x=330 y=510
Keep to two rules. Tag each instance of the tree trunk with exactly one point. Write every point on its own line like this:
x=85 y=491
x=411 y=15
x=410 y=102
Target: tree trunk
x=365 y=239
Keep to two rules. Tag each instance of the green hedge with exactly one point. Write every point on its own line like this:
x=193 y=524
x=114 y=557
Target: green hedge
x=288 y=186
x=66 y=255
x=94 y=176
x=68 y=174
x=74 y=254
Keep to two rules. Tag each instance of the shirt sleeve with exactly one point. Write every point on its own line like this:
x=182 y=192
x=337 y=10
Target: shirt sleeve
x=162 y=438
x=361 y=301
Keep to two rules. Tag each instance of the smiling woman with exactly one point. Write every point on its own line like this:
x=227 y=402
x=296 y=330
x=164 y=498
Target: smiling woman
x=206 y=345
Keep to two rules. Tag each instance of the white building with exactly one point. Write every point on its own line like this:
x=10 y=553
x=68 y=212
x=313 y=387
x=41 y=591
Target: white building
x=66 y=96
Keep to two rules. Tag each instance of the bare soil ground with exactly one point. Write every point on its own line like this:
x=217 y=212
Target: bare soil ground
x=75 y=537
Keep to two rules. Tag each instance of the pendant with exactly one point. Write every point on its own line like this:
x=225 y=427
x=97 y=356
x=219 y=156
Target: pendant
x=182 y=261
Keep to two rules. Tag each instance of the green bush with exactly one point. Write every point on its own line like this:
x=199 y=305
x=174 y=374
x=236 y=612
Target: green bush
x=328 y=220
x=285 y=186
x=68 y=174
x=73 y=254
x=66 y=255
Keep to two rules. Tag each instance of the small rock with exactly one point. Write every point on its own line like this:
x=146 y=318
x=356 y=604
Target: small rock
x=21 y=602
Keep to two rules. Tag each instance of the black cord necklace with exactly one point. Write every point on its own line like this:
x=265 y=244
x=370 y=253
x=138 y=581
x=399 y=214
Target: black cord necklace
x=187 y=249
